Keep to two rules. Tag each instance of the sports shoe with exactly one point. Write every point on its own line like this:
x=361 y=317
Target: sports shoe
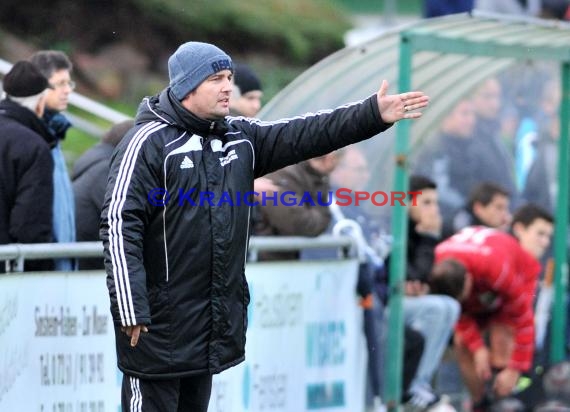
x=377 y=406
x=423 y=399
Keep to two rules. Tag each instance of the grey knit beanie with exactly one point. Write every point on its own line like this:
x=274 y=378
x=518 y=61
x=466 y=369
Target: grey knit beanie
x=192 y=63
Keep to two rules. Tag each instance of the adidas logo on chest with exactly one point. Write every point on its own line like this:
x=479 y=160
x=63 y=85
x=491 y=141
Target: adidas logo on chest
x=186 y=163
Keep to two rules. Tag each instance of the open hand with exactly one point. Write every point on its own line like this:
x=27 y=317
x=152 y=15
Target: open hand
x=395 y=107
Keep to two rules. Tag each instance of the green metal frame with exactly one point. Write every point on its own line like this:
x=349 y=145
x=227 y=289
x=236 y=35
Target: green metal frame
x=558 y=325
x=395 y=341
x=423 y=40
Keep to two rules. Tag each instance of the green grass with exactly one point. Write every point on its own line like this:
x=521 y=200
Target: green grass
x=77 y=142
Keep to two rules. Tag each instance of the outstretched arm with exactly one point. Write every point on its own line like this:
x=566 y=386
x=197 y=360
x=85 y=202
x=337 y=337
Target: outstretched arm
x=287 y=141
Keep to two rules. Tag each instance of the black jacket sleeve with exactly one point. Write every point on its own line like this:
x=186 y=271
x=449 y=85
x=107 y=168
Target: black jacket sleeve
x=288 y=141
x=135 y=171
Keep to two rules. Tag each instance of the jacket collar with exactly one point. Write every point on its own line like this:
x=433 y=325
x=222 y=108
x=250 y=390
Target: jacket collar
x=187 y=120
x=27 y=118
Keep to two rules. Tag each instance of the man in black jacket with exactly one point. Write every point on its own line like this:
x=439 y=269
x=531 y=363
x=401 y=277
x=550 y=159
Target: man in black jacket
x=175 y=221
x=89 y=178
x=26 y=166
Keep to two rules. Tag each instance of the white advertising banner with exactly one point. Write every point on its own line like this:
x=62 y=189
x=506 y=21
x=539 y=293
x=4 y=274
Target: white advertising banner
x=305 y=348
x=57 y=350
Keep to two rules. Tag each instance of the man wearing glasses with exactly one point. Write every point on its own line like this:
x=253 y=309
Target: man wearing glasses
x=56 y=67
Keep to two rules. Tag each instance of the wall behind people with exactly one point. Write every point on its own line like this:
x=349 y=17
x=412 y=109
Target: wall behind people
x=89 y=178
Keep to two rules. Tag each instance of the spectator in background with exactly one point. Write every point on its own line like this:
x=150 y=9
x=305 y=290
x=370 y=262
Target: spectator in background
x=449 y=160
x=246 y=101
x=495 y=276
x=26 y=166
x=309 y=219
x=520 y=7
x=436 y=8
x=497 y=164
x=56 y=67
x=353 y=173
x=541 y=185
x=89 y=178
x=247 y=92
x=432 y=315
x=555 y=9
x=488 y=205
x=534 y=127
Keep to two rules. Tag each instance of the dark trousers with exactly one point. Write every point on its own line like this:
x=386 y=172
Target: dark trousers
x=413 y=350
x=190 y=394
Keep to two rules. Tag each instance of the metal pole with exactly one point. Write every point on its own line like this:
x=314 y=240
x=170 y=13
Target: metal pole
x=558 y=324
x=395 y=341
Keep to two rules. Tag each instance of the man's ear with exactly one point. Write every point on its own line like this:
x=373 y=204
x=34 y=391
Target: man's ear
x=40 y=106
x=477 y=206
x=518 y=229
x=467 y=286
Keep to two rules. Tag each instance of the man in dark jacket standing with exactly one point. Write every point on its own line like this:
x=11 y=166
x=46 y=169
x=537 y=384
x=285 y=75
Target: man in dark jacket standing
x=175 y=221
x=89 y=182
x=300 y=206
x=56 y=67
x=26 y=166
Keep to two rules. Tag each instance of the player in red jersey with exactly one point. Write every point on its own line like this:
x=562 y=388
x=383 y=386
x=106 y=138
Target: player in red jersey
x=494 y=274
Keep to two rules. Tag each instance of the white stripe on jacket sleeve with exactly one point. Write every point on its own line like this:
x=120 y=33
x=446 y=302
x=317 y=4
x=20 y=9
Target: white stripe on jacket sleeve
x=115 y=223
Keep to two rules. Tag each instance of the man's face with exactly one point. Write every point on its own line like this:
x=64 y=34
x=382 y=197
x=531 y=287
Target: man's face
x=247 y=104
x=211 y=99
x=495 y=214
x=461 y=121
x=487 y=99
x=352 y=171
x=325 y=164
x=534 y=238
x=57 y=98
x=425 y=206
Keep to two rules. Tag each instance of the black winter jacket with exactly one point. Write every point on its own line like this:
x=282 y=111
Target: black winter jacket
x=26 y=180
x=89 y=179
x=179 y=268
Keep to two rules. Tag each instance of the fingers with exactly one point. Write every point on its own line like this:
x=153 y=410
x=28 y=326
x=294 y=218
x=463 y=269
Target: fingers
x=383 y=88
x=134 y=332
x=135 y=336
x=415 y=104
x=412 y=95
x=416 y=115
